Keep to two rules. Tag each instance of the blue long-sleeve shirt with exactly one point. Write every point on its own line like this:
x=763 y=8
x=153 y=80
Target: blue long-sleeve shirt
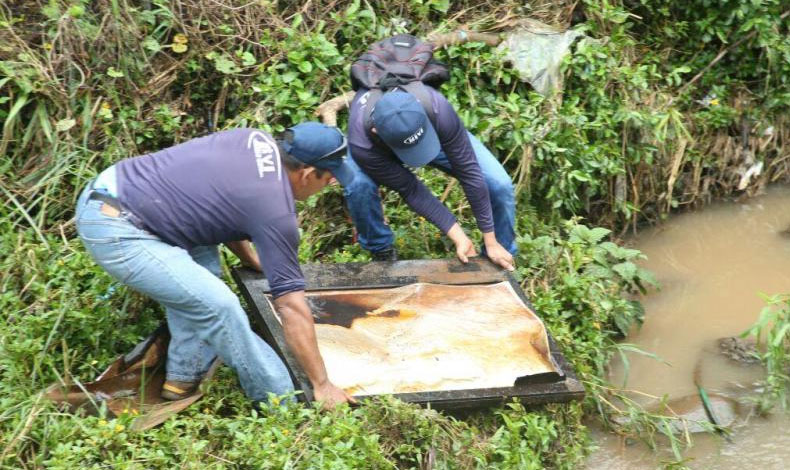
x=384 y=167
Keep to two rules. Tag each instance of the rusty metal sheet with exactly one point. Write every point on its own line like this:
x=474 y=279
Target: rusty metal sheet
x=387 y=274
x=366 y=332
x=131 y=384
x=428 y=337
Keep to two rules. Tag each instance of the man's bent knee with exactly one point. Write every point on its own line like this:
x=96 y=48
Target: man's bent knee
x=501 y=189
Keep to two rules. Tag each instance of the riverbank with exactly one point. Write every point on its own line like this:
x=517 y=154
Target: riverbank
x=658 y=113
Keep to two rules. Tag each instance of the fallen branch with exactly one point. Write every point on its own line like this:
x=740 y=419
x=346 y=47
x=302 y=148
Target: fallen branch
x=328 y=109
x=461 y=36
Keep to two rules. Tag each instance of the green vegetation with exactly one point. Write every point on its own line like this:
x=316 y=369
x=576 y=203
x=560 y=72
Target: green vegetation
x=666 y=107
x=772 y=332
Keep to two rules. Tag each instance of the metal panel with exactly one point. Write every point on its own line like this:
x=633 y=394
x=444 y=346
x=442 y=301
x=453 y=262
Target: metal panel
x=540 y=388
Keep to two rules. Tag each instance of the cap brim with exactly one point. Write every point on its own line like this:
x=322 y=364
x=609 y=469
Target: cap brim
x=424 y=152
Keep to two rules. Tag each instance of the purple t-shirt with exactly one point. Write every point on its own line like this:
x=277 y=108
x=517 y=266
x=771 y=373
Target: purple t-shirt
x=224 y=187
x=383 y=167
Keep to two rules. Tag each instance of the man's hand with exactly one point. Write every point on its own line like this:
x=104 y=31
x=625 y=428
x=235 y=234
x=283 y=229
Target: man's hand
x=330 y=395
x=464 y=248
x=299 y=331
x=497 y=253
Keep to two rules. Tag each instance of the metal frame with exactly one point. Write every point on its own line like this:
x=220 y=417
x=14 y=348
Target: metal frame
x=541 y=388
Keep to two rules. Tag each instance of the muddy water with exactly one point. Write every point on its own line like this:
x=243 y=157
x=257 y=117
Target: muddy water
x=712 y=266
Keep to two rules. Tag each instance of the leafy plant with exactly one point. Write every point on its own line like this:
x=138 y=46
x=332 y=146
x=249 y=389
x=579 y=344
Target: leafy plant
x=650 y=121
x=772 y=332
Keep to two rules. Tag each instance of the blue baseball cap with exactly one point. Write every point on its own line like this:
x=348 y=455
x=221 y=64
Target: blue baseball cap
x=402 y=124
x=321 y=146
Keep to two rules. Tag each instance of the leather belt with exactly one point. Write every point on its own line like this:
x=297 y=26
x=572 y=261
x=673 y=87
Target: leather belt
x=107 y=199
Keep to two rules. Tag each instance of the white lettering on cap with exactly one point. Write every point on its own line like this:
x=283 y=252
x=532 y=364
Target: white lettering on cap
x=267 y=154
x=414 y=137
x=363 y=100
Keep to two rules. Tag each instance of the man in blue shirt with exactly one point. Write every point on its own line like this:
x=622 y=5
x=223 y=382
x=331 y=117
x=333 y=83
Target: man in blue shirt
x=400 y=136
x=154 y=222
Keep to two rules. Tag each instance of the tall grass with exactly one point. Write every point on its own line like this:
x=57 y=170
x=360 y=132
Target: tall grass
x=772 y=332
x=86 y=83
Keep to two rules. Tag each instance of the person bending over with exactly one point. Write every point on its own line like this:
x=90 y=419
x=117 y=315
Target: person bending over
x=154 y=222
x=396 y=136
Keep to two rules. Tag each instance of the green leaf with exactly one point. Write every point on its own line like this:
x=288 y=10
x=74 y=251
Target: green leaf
x=626 y=270
x=114 y=73
x=353 y=8
x=579 y=233
x=76 y=11
x=304 y=95
x=152 y=44
x=297 y=21
x=647 y=277
x=441 y=5
x=224 y=64
x=780 y=336
x=65 y=124
x=305 y=67
x=598 y=233
x=247 y=59
x=597 y=271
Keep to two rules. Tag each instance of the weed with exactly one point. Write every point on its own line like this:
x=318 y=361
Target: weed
x=649 y=121
x=772 y=332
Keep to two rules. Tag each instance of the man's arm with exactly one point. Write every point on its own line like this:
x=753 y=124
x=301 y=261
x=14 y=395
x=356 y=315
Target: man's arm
x=276 y=243
x=299 y=330
x=244 y=251
x=465 y=167
x=384 y=168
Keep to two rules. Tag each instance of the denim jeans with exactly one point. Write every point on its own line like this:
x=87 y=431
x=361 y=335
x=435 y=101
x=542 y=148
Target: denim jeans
x=364 y=203
x=204 y=316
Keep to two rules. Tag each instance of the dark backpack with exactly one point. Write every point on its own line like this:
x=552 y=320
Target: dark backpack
x=400 y=62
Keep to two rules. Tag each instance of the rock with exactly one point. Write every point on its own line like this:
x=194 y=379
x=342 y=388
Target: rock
x=740 y=350
x=692 y=412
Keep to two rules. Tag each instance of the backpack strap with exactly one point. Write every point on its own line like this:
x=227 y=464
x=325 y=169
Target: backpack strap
x=420 y=91
x=368 y=103
x=417 y=89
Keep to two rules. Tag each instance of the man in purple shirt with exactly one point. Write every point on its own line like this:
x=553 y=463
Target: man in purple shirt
x=396 y=135
x=154 y=222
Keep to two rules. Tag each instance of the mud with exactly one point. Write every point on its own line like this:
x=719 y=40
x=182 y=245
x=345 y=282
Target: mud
x=130 y=385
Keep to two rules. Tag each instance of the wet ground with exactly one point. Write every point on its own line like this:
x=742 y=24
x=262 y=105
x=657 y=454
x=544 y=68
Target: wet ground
x=712 y=265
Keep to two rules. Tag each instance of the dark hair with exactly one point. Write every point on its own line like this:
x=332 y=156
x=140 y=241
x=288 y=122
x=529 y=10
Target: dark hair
x=294 y=164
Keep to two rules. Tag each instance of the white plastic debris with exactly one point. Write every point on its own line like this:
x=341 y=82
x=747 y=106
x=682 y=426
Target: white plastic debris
x=536 y=52
x=752 y=171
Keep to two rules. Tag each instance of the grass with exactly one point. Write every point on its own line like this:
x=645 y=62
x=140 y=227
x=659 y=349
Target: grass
x=85 y=84
x=772 y=333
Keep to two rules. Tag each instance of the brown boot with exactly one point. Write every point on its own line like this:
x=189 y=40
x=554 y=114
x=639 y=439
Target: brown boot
x=176 y=389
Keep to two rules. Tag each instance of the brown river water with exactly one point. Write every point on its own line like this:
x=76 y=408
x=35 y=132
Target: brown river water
x=712 y=266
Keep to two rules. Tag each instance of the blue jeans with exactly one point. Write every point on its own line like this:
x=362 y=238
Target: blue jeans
x=364 y=203
x=205 y=318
